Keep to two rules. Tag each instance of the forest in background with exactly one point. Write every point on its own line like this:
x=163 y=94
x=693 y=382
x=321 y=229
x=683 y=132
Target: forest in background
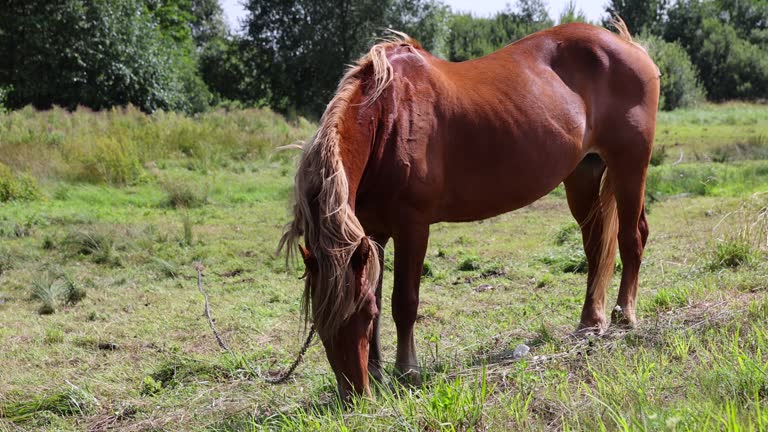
x=179 y=55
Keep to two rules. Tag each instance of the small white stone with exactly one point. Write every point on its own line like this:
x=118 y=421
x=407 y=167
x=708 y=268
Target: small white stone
x=520 y=351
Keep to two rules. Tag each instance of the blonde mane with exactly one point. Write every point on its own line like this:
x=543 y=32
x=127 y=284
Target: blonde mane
x=321 y=213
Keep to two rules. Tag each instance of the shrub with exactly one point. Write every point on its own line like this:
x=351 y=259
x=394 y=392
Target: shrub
x=17 y=186
x=680 y=85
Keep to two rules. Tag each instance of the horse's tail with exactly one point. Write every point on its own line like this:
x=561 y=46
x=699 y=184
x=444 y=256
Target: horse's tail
x=608 y=239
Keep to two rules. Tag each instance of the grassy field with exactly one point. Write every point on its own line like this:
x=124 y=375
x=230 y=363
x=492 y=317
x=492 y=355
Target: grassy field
x=103 y=215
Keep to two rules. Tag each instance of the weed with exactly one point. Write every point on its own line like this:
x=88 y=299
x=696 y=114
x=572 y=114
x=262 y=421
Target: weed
x=186 y=223
x=659 y=155
x=173 y=372
x=6 y=260
x=427 y=269
x=469 y=263
x=166 y=268
x=48 y=242
x=668 y=298
x=567 y=260
x=569 y=234
x=732 y=252
x=451 y=405
x=54 y=336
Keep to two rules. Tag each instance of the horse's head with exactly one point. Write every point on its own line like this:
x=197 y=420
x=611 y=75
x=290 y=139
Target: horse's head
x=346 y=338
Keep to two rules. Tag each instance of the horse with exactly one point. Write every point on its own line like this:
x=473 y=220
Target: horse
x=410 y=140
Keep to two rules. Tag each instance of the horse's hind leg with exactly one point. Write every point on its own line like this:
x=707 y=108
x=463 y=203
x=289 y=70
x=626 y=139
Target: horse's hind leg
x=627 y=167
x=633 y=233
x=582 y=189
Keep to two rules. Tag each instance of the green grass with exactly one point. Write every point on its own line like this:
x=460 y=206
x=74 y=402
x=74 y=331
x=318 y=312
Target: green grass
x=719 y=132
x=136 y=352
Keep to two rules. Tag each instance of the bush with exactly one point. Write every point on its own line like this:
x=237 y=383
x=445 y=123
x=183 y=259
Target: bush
x=181 y=194
x=17 y=186
x=680 y=85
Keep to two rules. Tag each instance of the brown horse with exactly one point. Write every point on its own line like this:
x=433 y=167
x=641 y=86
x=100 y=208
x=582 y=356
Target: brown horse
x=410 y=140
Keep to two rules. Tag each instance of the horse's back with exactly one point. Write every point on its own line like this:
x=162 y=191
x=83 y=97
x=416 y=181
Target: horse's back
x=514 y=123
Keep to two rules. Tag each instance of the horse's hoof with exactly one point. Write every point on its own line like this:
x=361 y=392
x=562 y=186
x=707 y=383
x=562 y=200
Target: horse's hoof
x=623 y=318
x=410 y=376
x=591 y=327
x=374 y=371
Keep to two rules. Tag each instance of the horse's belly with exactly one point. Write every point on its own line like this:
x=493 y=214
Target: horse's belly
x=484 y=189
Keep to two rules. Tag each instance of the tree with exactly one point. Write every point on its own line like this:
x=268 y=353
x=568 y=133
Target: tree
x=300 y=48
x=725 y=40
x=207 y=22
x=472 y=37
x=639 y=15
x=571 y=14
x=680 y=85
x=96 y=53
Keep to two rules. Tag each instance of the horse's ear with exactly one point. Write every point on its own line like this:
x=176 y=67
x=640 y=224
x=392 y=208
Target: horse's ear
x=361 y=255
x=309 y=260
x=305 y=255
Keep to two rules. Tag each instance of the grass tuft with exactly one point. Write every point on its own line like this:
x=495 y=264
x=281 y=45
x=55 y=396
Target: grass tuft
x=73 y=401
x=184 y=195
x=470 y=263
x=54 y=288
x=732 y=252
x=99 y=245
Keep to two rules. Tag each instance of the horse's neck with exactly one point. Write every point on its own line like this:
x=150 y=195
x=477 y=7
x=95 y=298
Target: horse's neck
x=355 y=151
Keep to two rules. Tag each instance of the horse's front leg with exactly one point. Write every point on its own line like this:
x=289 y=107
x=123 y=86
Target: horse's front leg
x=410 y=246
x=374 y=353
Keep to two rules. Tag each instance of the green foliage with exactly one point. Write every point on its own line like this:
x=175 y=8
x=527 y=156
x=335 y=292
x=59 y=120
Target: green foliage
x=569 y=256
x=680 y=86
x=186 y=223
x=669 y=298
x=453 y=405
x=17 y=186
